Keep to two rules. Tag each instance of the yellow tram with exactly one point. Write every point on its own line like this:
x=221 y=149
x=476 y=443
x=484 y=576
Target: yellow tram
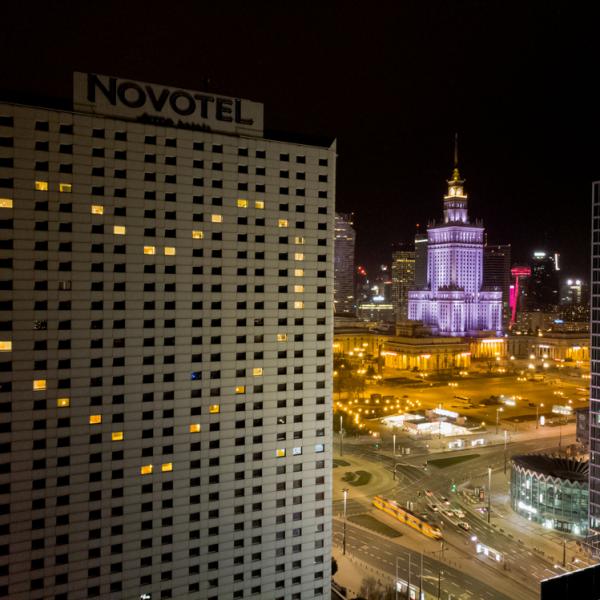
x=405 y=516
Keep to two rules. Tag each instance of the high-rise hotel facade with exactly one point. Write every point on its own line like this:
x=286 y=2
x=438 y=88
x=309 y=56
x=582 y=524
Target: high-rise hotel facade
x=166 y=285
x=594 y=420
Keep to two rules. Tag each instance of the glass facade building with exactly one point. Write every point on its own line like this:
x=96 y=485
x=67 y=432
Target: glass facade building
x=552 y=491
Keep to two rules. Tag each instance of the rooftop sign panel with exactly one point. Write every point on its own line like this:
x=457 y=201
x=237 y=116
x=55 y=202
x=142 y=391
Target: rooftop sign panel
x=160 y=105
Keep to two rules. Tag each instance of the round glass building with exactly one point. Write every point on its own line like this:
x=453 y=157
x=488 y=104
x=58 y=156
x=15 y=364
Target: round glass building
x=552 y=491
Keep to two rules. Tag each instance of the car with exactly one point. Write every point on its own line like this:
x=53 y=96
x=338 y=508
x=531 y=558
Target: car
x=434 y=508
x=448 y=513
x=459 y=513
x=445 y=500
x=464 y=525
x=531 y=404
x=428 y=493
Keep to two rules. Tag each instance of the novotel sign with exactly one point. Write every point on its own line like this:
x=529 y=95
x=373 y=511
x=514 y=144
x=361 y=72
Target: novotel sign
x=161 y=105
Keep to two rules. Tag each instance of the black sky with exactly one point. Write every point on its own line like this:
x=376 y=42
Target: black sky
x=391 y=81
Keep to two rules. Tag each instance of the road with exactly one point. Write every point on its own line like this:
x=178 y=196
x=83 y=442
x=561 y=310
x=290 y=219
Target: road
x=389 y=557
x=519 y=562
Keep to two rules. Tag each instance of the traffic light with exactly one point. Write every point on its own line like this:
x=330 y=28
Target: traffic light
x=453 y=487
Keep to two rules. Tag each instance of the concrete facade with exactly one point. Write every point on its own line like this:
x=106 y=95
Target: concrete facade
x=165 y=360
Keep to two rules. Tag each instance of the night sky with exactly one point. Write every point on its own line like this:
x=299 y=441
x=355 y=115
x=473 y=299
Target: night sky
x=391 y=81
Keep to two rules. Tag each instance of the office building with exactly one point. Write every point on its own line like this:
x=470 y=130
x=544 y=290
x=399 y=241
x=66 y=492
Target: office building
x=543 y=285
x=403 y=279
x=594 y=418
x=496 y=274
x=454 y=302
x=551 y=490
x=166 y=334
x=345 y=241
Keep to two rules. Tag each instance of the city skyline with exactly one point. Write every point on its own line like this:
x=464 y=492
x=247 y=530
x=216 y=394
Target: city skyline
x=394 y=102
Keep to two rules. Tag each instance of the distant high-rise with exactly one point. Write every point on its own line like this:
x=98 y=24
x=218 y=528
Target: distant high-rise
x=594 y=419
x=165 y=349
x=345 y=240
x=420 y=260
x=496 y=274
x=543 y=285
x=403 y=279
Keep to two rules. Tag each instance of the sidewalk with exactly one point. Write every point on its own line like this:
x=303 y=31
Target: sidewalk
x=351 y=572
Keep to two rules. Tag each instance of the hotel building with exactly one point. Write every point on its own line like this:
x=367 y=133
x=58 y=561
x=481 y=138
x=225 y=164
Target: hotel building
x=166 y=326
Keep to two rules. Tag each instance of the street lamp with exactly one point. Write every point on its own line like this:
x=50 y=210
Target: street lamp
x=345 y=492
x=489 y=494
x=498 y=411
x=440 y=573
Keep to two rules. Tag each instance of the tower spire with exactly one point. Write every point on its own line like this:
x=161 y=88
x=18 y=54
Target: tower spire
x=455 y=173
x=456 y=149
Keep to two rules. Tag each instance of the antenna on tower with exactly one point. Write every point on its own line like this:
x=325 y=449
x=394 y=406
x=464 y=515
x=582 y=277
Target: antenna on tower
x=456 y=150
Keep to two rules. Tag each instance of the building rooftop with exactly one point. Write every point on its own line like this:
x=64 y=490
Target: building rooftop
x=554 y=466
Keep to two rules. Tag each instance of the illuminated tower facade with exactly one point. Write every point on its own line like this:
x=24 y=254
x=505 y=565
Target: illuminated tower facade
x=454 y=301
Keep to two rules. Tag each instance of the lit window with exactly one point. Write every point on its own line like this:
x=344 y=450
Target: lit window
x=119 y=229
x=280 y=452
x=41 y=186
x=97 y=209
x=63 y=402
x=282 y=337
x=65 y=188
x=146 y=470
x=6 y=346
x=39 y=385
x=298 y=256
x=198 y=235
x=149 y=250
x=242 y=203
x=195 y=428
x=282 y=223
x=319 y=447
x=95 y=419
x=214 y=408
x=298 y=289
x=259 y=204
x=299 y=240
x=166 y=467
x=116 y=436
x=257 y=371
x=6 y=203
x=298 y=304
x=298 y=272
x=170 y=251
x=216 y=218
x=240 y=389
x=297 y=450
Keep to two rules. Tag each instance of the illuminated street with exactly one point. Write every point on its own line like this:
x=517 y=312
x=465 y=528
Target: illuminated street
x=527 y=552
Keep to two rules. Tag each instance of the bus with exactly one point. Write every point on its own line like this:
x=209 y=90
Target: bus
x=405 y=516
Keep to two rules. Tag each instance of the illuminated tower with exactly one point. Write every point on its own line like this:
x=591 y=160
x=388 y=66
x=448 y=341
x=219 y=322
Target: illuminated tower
x=454 y=302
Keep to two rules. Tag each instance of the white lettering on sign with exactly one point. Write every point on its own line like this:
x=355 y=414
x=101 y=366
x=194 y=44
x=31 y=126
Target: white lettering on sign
x=160 y=105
